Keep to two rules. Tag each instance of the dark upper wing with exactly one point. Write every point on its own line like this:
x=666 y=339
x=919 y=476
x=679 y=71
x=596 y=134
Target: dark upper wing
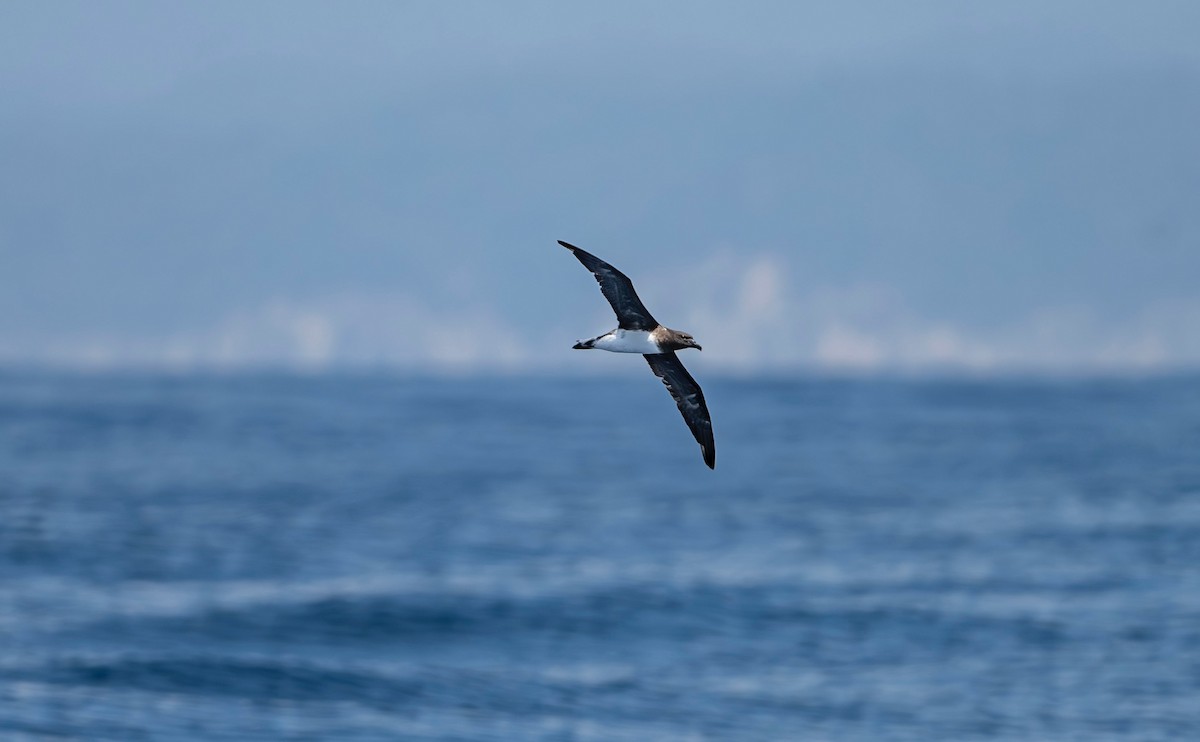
x=618 y=289
x=690 y=400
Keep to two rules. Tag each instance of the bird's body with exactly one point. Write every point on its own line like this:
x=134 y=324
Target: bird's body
x=647 y=342
x=638 y=332
x=622 y=341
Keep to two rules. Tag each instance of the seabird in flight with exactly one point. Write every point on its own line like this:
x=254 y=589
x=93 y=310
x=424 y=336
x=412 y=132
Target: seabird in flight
x=638 y=332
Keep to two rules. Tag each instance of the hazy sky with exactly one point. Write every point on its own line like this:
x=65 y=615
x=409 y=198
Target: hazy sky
x=840 y=185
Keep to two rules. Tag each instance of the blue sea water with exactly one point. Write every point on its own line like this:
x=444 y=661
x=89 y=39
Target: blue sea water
x=342 y=557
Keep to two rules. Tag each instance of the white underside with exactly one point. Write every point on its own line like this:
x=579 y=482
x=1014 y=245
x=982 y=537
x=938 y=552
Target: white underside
x=627 y=341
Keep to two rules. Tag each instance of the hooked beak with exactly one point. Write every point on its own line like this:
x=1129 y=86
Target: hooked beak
x=697 y=346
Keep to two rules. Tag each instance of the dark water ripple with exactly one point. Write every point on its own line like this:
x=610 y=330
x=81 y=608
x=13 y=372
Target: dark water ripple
x=361 y=558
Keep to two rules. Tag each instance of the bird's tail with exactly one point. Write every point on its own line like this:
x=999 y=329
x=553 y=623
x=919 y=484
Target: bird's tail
x=584 y=344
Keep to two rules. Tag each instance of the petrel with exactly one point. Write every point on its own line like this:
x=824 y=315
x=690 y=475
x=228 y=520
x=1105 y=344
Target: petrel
x=638 y=332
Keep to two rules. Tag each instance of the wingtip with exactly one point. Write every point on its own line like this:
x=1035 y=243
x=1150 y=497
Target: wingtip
x=567 y=245
x=710 y=458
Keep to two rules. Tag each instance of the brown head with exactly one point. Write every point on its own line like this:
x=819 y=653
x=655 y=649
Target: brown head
x=676 y=340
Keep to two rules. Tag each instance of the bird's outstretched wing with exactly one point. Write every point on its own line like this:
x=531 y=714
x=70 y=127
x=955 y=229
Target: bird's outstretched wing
x=618 y=289
x=689 y=399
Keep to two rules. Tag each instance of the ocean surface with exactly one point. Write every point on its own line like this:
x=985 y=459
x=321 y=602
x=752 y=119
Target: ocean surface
x=366 y=557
